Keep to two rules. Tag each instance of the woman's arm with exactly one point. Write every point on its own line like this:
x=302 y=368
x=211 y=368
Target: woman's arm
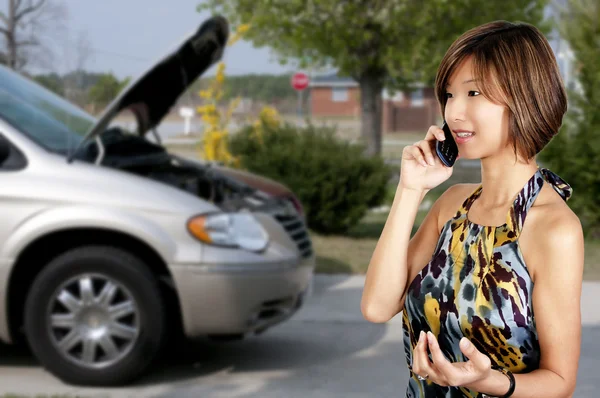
x=390 y=265
x=387 y=273
x=397 y=258
x=556 y=299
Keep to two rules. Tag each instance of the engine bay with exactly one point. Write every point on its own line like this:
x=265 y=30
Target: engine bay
x=137 y=155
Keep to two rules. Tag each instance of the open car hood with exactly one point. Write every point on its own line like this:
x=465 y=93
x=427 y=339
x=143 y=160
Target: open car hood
x=151 y=96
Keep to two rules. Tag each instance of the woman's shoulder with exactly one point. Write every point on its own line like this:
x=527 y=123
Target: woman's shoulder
x=551 y=227
x=550 y=211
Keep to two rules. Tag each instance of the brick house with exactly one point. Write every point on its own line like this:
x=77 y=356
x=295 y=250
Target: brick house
x=410 y=111
x=333 y=95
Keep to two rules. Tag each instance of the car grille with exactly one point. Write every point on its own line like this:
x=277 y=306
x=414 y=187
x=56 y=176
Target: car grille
x=295 y=227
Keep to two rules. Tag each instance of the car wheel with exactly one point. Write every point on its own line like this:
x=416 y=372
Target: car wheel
x=95 y=316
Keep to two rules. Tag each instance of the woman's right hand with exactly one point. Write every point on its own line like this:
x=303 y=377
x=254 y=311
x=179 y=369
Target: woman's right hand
x=421 y=169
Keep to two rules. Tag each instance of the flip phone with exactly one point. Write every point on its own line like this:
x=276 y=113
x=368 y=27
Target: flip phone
x=447 y=150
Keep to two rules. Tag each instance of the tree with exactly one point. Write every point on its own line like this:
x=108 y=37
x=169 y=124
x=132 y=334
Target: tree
x=379 y=43
x=52 y=82
x=106 y=89
x=24 y=25
x=575 y=152
x=260 y=87
x=77 y=56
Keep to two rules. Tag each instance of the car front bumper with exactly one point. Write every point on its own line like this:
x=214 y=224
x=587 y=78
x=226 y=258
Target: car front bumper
x=230 y=299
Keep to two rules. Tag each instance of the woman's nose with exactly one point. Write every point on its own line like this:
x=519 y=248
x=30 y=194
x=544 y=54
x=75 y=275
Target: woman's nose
x=455 y=110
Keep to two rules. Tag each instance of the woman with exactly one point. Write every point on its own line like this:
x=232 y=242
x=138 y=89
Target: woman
x=474 y=326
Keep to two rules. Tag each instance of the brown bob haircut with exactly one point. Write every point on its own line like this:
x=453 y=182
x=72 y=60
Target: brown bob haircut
x=514 y=66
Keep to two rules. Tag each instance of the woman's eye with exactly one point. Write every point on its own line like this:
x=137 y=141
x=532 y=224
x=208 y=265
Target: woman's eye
x=472 y=93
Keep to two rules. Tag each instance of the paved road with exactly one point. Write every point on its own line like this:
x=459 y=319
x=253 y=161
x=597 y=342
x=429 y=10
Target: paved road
x=325 y=350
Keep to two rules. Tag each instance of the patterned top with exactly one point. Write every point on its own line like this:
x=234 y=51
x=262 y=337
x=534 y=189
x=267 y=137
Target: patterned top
x=477 y=285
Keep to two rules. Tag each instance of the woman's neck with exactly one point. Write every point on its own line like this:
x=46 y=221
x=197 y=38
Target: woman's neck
x=502 y=179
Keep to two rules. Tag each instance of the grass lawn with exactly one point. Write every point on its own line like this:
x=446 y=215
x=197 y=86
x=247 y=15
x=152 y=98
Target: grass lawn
x=591 y=271
x=351 y=253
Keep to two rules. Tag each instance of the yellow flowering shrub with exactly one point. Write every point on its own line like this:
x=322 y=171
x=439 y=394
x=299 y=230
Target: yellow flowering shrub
x=214 y=145
x=268 y=117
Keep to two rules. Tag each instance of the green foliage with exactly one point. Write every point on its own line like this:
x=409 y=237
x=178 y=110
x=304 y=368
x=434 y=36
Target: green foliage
x=574 y=153
x=393 y=43
x=107 y=87
x=397 y=39
x=52 y=82
x=81 y=79
x=76 y=86
x=260 y=87
x=334 y=181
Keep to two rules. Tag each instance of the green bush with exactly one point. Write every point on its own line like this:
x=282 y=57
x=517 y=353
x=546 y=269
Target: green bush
x=332 y=178
x=574 y=153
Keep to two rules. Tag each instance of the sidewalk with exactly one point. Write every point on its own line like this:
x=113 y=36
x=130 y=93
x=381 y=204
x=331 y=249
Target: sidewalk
x=590 y=303
x=327 y=350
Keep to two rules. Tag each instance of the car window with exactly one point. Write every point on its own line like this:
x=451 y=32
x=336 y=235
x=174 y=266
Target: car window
x=16 y=159
x=46 y=118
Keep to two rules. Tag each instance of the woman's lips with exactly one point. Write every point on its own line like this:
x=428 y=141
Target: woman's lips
x=462 y=140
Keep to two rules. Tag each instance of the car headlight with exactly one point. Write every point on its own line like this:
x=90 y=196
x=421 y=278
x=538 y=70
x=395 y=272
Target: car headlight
x=230 y=229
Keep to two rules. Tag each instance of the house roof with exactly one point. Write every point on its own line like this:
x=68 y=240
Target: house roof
x=332 y=80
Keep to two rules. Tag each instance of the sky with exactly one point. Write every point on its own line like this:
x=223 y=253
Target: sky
x=128 y=36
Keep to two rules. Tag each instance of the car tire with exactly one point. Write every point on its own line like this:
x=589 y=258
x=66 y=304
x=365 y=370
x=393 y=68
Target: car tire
x=94 y=316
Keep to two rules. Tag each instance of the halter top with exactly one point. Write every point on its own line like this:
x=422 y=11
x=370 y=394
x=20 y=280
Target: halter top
x=477 y=286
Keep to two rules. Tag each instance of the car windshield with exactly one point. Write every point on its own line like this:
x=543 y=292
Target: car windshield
x=45 y=117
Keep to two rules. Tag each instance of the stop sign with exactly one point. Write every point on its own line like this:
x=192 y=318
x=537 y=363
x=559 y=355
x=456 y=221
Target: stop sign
x=300 y=81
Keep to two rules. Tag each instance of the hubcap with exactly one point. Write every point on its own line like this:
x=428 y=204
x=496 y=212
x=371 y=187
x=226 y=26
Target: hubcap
x=93 y=320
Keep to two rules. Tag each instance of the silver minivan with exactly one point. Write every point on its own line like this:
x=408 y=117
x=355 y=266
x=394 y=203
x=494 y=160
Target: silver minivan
x=108 y=242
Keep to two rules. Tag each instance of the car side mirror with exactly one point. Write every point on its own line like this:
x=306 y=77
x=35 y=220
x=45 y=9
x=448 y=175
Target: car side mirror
x=4 y=149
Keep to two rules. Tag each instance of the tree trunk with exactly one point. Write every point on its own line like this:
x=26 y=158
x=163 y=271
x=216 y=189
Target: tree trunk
x=11 y=40
x=371 y=87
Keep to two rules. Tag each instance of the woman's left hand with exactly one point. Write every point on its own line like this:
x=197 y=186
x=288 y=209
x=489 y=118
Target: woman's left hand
x=445 y=373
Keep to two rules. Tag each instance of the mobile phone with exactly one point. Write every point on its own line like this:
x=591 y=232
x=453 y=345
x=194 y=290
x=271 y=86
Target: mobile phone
x=447 y=150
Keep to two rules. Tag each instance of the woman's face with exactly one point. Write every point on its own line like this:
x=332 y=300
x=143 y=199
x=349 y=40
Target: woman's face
x=467 y=109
